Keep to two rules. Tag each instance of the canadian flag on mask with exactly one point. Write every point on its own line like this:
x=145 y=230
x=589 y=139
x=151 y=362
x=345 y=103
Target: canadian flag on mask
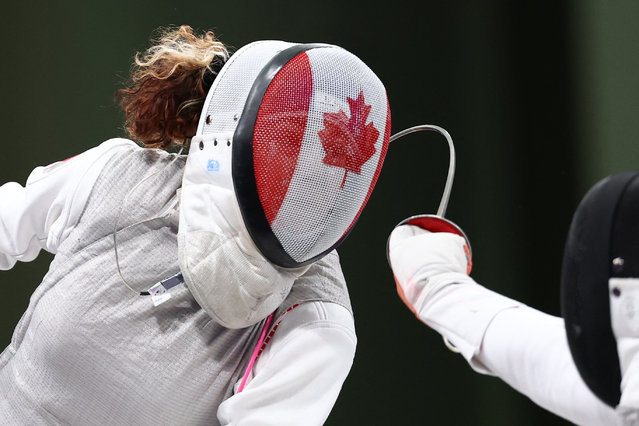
x=319 y=142
x=349 y=142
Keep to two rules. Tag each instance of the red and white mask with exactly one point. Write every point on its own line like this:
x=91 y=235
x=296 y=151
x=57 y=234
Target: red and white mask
x=299 y=133
x=289 y=146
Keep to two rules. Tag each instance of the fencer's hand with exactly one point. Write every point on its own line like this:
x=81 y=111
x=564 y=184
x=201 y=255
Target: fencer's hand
x=431 y=271
x=420 y=258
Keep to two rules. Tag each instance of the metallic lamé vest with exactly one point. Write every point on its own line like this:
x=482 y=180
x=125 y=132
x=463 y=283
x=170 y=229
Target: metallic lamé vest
x=90 y=351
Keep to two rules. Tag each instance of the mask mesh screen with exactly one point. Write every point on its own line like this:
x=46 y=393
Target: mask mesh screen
x=319 y=141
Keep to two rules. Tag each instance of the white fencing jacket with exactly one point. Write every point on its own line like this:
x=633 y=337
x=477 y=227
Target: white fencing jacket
x=64 y=366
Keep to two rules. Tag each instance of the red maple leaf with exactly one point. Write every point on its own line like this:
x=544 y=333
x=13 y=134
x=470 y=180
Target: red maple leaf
x=349 y=142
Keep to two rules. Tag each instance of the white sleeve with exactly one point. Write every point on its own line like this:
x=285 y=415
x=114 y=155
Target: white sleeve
x=529 y=350
x=298 y=376
x=41 y=214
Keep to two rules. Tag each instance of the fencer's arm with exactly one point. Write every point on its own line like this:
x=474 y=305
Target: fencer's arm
x=41 y=214
x=497 y=335
x=430 y=270
x=298 y=376
x=528 y=350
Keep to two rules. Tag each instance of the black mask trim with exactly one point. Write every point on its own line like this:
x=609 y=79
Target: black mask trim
x=244 y=170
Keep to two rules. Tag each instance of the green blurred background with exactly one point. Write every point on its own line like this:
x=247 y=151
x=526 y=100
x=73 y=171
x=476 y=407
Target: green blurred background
x=541 y=99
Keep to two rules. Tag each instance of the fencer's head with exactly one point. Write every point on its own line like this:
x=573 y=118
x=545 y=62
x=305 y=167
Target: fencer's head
x=600 y=271
x=299 y=132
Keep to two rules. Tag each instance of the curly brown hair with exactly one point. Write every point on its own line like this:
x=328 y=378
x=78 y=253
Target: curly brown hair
x=168 y=83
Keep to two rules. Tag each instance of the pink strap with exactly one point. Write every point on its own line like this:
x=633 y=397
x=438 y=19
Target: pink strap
x=255 y=352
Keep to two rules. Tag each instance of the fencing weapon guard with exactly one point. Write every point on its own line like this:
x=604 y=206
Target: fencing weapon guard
x=437 y=222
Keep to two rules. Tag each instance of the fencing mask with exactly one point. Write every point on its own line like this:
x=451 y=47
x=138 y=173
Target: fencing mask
x=600 y=289
x=289 y=146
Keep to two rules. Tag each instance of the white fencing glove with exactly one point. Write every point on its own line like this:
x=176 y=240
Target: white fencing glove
x=431 y=271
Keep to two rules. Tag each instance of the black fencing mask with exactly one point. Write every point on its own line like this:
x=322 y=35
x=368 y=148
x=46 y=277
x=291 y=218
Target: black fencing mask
x=600 y=287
